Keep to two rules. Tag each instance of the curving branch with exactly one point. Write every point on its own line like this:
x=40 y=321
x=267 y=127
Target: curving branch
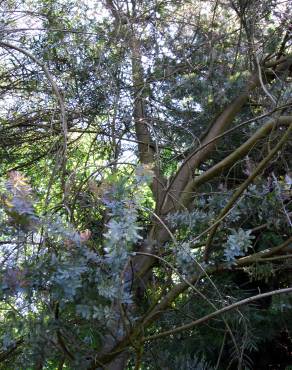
x=217 y=313
x=184 y=175
x=264 y=254
x=260 y=167
x=155 y=312
x=233 y=157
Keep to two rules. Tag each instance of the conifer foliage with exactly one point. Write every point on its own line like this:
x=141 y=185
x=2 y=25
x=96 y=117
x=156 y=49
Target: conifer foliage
x=145 y=184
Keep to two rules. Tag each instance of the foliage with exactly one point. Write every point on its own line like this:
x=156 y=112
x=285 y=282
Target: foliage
x=237 y=244
x=145 y=184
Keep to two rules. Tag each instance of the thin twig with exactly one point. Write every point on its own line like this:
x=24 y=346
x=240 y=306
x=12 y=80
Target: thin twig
x=217 y=313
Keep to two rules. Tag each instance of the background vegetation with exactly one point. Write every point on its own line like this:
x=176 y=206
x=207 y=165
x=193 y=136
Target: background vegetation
x=145 y=210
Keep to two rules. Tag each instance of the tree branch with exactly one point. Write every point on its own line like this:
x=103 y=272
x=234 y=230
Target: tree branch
x=178 y=289
x=217 y=313
x=184 y=174
x=51 y=80
x=261 y=166
x=233 y=157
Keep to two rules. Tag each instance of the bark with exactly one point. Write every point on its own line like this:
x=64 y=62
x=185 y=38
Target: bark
x=185 y=172
x=114 y=353
x=183 y=177
x=147 y=153
x=227 y=162
x=260 y=167
x=154 y=313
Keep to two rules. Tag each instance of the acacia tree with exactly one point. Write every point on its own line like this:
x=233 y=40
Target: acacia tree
x=145 y=183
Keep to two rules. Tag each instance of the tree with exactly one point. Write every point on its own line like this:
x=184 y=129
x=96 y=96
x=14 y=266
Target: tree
x=145 y=184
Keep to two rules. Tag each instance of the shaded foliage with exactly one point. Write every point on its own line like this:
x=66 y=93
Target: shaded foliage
x=116 y=225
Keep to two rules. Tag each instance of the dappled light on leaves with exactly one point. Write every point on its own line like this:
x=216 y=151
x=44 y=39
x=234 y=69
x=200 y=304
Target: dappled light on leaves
x=145 y=188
